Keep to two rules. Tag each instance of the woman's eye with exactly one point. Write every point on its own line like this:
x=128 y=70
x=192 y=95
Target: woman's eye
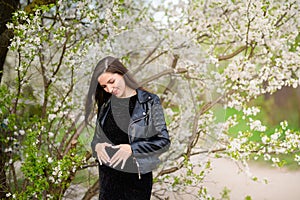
x=111 y=82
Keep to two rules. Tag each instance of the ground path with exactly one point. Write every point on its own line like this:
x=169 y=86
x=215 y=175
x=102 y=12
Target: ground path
x=282 y=184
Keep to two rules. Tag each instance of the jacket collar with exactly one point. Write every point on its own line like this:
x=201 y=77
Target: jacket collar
x=143 y=96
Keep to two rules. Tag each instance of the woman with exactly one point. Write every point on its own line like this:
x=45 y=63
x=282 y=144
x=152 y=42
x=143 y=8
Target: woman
x=130 y=132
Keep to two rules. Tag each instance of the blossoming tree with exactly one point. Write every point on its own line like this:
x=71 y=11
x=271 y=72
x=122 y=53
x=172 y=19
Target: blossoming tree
x=202 y=57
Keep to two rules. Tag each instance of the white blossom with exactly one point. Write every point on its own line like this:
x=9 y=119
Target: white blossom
x=256 y=125
x=265 y=139
x=51 y=178
x=5 y=121
x=22 y=132
x=9 y=149
x=284 y=125
x=51 y=134
x=74 y=169
x=51 y=117
x=297 y=159
x=267 y=157
x=275 y=136
x=251 y=111
x=50 y=160
x=275 y=160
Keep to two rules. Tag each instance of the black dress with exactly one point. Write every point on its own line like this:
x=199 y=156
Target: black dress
x=117 y=183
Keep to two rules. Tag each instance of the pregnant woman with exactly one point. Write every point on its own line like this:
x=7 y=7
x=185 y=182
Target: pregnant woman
x=130 y=132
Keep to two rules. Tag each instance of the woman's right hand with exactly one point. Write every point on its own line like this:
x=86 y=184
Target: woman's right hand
x=101 y=152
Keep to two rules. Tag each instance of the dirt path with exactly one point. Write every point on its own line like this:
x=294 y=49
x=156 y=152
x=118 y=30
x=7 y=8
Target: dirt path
x=282 y=184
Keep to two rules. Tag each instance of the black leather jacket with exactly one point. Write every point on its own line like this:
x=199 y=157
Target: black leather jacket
x=147 y=131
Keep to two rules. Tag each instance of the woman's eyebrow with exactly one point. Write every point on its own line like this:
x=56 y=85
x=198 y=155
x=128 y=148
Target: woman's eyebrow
x=104 y=85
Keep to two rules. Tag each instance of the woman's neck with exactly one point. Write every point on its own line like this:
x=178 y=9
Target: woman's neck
x=129 y=92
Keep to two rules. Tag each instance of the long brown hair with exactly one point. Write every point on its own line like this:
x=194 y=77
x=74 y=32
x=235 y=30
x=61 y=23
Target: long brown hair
x=96 y=92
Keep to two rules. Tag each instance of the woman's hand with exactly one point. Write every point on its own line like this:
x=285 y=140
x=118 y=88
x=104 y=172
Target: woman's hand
x=121 y=155
x=101 y=152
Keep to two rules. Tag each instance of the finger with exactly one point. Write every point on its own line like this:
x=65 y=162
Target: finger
x=116 y=147
x=115 y=157
x=124 y=148
x=107 y=144
x=103 y=156
x=105 y=160
x=117 y=163
x=99 y=159
x=123 y=163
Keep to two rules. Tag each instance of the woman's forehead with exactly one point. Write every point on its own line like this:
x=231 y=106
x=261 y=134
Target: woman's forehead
x=105 y=76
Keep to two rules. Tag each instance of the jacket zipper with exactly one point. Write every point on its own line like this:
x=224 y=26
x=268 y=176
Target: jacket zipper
x=137 y=163
x=138 y=167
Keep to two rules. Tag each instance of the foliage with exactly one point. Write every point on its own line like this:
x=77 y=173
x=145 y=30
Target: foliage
x=201 y=57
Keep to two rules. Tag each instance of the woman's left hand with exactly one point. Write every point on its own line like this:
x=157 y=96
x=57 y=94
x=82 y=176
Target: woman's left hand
x=121 y=155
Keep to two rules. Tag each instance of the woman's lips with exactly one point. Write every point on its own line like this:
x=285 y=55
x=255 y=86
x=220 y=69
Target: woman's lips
x=115 y=92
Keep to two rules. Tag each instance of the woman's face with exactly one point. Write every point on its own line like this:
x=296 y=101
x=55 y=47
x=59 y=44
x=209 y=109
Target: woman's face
x=113 y=83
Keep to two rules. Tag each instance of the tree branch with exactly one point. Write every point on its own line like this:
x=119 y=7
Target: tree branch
x=147 y=57
x=92 y=191
x=163 y=73
x=226 y=57
x=172 y=81
x=188 y=153
x=74 y=137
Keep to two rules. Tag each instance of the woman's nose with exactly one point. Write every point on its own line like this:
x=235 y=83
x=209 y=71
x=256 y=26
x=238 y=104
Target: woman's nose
x=109 y=89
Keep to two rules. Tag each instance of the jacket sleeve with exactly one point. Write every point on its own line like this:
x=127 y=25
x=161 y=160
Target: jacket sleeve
x=158 y=140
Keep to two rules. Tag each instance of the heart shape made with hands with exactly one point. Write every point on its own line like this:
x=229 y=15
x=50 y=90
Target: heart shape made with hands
x=111 y=151
x=118 y=155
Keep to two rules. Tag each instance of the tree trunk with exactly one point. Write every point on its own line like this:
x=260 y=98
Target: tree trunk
x=3 y=183
x=7 y=7
x=92 y=191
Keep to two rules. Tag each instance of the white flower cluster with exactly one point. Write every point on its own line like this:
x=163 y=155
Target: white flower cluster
x=251 y=111
x=280 y=143
x=235 y=101
x=292 y=140
x=51 y=117
x=49 y=159
x=9 y=195
x=30 y=27
x=222 y=136
x=255 y=75
x=284 y=125
x=56 y=174
x=239 y=146
x=256 y=125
